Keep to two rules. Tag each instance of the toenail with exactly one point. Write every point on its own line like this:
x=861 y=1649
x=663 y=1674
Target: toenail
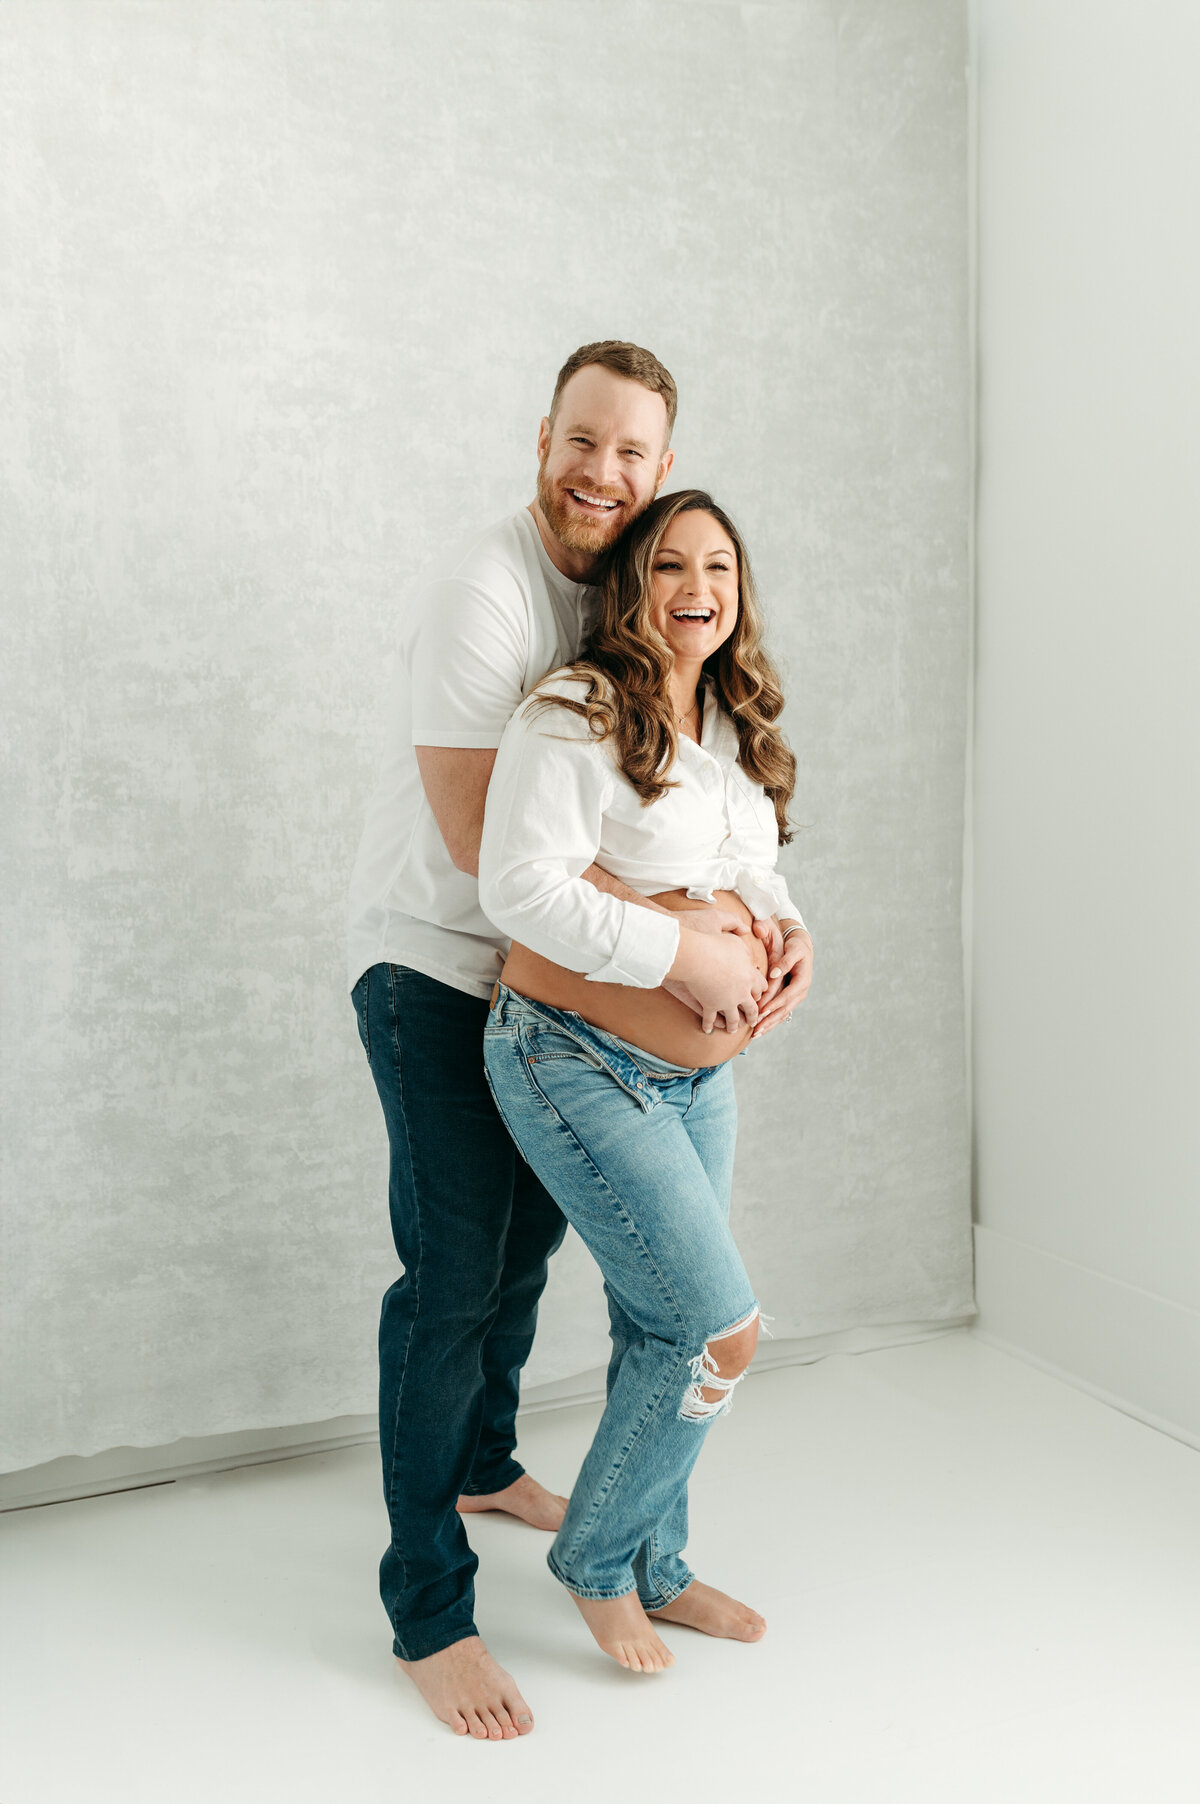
x=524 y=1719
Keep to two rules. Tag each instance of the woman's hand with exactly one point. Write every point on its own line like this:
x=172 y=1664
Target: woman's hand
x=767 y=929
x=789 y=971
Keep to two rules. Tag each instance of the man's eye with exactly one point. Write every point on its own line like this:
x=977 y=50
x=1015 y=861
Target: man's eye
x=636 y=454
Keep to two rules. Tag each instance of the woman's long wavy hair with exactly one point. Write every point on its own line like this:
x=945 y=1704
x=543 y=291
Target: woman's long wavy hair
x=626 y=663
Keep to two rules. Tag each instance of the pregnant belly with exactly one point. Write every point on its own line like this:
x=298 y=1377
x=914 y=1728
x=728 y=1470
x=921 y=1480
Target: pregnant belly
x=648 y=1018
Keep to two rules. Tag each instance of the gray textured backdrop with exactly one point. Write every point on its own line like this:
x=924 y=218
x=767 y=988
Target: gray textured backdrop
x=286 y=286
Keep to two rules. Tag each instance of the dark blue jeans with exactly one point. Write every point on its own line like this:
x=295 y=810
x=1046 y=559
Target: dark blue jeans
x=474 y=1230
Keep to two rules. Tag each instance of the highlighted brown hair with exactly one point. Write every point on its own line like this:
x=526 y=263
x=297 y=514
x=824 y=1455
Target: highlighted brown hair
x=626 y=360
x=626 y=664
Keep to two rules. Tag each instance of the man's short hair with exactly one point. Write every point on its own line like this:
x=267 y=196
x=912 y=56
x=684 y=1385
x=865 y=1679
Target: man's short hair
x=623 y=359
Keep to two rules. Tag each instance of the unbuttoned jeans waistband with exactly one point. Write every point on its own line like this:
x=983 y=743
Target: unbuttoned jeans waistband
x=636 y=1070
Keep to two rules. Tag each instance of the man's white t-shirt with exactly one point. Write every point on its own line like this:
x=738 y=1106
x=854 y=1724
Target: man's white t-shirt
x=484 y=629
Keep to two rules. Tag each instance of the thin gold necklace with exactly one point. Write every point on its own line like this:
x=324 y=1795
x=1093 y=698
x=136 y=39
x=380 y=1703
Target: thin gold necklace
x=681 y=720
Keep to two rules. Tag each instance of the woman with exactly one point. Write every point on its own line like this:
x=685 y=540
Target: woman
x=658 y=757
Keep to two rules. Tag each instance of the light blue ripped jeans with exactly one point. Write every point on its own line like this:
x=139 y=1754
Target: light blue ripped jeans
x=638 y=1154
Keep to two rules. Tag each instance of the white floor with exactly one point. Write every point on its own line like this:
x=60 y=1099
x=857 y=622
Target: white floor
x=981 y=1585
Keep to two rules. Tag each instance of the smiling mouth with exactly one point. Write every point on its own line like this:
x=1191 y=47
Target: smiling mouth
x=694 y=616
x=600 y=504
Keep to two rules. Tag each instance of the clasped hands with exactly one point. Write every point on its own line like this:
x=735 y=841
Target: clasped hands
x=763 y=1002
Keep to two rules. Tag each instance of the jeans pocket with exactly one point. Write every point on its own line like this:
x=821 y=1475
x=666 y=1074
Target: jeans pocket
x=543 y=1043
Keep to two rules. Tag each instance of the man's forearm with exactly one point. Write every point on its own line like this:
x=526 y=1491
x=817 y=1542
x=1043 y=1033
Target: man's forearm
x=604 y=880
x=456 y=784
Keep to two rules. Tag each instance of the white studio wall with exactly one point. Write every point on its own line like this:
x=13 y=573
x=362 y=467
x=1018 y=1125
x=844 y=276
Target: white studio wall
x=1087 y=796
x=288 y=283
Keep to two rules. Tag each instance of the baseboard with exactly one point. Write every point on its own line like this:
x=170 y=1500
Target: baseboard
x=139 y=1468
x=588 y=1387
x=1126 y=1346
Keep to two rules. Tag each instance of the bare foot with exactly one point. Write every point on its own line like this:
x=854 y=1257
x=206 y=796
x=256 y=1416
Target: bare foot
x=623 y=1629
x=465 y=1688
x=704 y=1608
x=525 y=1498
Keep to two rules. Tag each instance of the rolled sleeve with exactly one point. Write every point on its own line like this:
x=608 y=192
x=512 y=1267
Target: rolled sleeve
x=757 y=890
x=645 y=950
x=542 y=829
x=785 y=908
x=765 y=893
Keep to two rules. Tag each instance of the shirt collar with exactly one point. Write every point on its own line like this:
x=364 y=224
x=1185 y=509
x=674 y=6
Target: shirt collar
x=718 y=735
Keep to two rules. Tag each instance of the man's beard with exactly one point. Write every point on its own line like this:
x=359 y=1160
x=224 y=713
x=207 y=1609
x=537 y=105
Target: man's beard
x=589 y=536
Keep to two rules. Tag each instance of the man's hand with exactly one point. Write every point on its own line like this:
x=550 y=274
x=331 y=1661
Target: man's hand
x=720 y=975
x=709 y=920
x=697 y=920
x=701 y=920
x=789 y=972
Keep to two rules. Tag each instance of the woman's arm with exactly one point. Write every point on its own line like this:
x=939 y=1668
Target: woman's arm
x=542 y=827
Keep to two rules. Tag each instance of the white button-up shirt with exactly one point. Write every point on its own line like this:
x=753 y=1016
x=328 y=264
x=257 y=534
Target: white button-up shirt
x=558 y=802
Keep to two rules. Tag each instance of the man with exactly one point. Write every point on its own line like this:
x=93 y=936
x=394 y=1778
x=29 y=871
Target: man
x=473 y=1227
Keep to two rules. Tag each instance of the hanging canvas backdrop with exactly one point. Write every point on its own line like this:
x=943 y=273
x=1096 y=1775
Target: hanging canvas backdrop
x=289 y=286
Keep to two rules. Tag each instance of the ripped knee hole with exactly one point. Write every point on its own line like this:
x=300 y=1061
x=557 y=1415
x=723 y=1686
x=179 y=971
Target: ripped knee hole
x=710 y=1391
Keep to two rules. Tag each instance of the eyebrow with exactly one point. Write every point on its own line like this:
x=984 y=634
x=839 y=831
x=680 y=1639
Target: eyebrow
x=670 y=551
x=638 y=444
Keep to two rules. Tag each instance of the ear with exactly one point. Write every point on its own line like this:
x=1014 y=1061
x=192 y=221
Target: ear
x=664 y=469
x=543 y=441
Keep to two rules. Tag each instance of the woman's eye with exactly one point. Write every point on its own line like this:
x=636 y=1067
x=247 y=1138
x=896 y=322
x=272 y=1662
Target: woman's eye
x=666 y=566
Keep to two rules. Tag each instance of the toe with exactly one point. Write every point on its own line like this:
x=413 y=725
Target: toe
x=519 y=1713
x=477 y=1727
x=457 y=1722
x=507 y=1727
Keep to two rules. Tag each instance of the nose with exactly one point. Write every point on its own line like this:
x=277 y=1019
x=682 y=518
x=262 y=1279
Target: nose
x=602 y=466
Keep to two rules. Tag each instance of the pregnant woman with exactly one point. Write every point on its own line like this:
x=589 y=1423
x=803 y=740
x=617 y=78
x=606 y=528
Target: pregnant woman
x=658 y=757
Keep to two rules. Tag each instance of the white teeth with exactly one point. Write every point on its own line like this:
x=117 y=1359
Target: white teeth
x=593 y=500
x=691 y=614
